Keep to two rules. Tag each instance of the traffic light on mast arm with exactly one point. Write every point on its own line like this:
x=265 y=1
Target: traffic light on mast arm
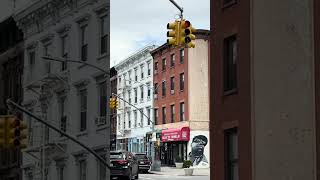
x=17 y=133
x=114 y=104
x=173 y=35
x=186 y=34
x=12 y=132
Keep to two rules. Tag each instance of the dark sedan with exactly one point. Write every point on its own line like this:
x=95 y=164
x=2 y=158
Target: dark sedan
x=123 y=164
x=144 y=162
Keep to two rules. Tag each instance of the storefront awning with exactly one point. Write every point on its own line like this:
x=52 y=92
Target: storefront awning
x=179 y=134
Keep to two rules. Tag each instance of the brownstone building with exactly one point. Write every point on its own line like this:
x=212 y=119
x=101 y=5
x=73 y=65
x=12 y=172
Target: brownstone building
x=181 y=100
x=11 y=71
x=264 y=90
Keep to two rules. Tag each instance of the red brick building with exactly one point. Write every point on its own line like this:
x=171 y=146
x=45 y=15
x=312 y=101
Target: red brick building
x=264 y=90
x=176 y=78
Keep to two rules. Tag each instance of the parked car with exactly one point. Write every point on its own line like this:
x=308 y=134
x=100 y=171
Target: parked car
x=144 y=162
x=123 y=164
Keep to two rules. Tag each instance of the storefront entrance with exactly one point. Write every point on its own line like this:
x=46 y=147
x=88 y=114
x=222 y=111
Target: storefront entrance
x=171 y=150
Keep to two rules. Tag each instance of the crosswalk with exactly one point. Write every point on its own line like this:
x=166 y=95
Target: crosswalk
x=164 y=177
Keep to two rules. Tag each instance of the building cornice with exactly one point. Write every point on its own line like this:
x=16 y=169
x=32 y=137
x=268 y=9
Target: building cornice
x=137 y=57
x=39 y=12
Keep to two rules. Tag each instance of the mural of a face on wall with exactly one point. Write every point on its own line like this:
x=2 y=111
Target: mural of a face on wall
x=197 y=150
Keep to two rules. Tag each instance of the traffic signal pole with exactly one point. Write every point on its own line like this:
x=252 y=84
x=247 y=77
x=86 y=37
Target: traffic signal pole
x=13 y=106
x=180 y=8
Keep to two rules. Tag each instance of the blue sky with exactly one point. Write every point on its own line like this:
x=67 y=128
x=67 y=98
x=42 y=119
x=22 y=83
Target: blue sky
x=135 y=24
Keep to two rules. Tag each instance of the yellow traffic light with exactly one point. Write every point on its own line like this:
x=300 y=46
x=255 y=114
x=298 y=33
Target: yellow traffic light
x=111 y=103
x=17 y=133
x=173 y=35
x=186 y=31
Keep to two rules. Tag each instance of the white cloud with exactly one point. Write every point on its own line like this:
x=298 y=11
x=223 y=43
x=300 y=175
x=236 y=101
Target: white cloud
x=137 y=23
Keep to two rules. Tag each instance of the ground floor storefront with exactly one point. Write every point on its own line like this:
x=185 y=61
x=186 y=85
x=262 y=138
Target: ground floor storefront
x=174 y=145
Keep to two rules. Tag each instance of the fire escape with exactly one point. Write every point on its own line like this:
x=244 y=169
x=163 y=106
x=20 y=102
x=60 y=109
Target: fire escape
x=50 y=148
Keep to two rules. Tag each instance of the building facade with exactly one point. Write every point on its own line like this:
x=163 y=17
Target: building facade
x=181 y=101
x=113 y=112
x=11 y=73
x=135 y=81
x=70 y=96
x=264 y=85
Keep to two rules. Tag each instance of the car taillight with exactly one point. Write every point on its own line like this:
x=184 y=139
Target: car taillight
x=122 y=161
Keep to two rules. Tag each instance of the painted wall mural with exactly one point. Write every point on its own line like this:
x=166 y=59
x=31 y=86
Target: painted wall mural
x=198 y=151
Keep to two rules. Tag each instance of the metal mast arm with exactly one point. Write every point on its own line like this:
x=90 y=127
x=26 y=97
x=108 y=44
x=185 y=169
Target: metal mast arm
x=11 y=104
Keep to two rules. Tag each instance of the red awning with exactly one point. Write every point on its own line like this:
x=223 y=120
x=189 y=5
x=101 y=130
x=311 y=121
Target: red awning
x=179 y=134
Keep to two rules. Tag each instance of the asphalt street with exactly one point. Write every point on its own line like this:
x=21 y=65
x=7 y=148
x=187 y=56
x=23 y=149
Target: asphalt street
x=170 y=177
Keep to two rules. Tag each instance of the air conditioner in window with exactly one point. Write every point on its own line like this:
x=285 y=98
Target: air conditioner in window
x=172 y=91
x=155 y=71
x=101 y=120
x=156 y=96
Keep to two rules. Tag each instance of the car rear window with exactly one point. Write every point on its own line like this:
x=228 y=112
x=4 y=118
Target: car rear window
x=141 y=156
x=116 y=156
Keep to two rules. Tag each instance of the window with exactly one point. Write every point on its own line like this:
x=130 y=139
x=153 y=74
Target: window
x=142 y=73
x=230 y=63
x=172 y=84
x=60 y=172
x=182 y=116
x=156 y=115
x=135 y=118
x=124 y=79
x=32 y=59
x=135 y=74
x=141 y=118
x=84 y=43
x=156 y=67
x=135 y=95
x=129 y=96
x=104 y=35
x=149 y=90
x=181 y=56
x=231 y=154
x=172 y=57
x=163 y=64
x=64 y=52
x=141 y=92
x=129 y=119
x=129 y=74
x=149 y=115
x=103 y=99
x=83 y=170
x=119 y=80
x=124 y=121
x=163 y=115
x=63 y=116
x=163 y=88
x=156 y=88
x=149 y=69
x=119 y=121
x=181 y=81
x=83 y=110
x=47 y=53
x=172 y=113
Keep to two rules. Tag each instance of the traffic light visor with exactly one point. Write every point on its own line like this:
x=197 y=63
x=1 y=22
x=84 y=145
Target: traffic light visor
x=171 y=25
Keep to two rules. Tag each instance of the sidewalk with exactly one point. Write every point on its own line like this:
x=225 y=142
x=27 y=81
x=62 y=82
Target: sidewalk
x=180 y=172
